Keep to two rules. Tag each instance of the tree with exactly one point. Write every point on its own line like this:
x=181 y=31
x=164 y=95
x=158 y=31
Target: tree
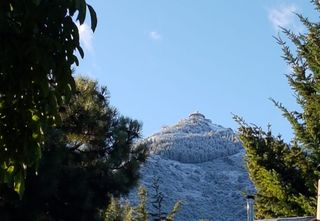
x=38 y=42
x=281 y=173
x=90 y=156
x=124 y=212
x=116 y=211
x=157 y=200
x=285 y=175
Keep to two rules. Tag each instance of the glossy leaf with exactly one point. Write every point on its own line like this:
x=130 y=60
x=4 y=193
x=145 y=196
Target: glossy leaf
x=37 y=53
x=93 y=17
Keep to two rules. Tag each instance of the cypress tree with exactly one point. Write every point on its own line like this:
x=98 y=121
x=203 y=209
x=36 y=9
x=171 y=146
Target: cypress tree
x=285 y=175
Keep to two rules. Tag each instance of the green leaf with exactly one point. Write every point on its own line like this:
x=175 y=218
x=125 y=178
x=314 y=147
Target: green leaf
x=93 y=17
x=35 y=118
x=80 y=51
x=10 y=169
x=19 y=183
x=45 y=53
x=81 y=6
x=35 y=135
x=38 y=153
x=74 y=59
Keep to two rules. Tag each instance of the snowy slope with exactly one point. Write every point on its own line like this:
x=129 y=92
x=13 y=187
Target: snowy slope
x=201 y=164
x=194 y=140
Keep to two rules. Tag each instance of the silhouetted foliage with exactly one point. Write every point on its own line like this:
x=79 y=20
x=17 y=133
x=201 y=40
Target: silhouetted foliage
x=37 y=50
x=91 y=156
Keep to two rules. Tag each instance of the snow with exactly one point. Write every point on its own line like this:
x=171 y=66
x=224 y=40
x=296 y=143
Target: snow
x=201 y=164
x=194 y=140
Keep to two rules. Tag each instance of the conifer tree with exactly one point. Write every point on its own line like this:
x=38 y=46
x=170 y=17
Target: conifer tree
x=91 y=156
x=285 y=175
x=158 y=214
x=114 y=212
x=124 y=212
x=141 y=209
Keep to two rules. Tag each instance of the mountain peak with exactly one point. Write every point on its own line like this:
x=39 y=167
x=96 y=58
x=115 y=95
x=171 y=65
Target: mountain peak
x=194 y=139
x=201 y=164
x=195 y=123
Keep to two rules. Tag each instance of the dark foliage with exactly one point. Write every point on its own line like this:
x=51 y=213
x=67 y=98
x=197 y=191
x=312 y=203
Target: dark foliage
x=91 y=156
x=38 y=40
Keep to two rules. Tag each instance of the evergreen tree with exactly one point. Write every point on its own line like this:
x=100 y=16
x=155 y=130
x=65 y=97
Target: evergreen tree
x=115 y=212
x=90 y=156
x=124 y=212
x=281 y=173
x=285 y=175
x=141 y=209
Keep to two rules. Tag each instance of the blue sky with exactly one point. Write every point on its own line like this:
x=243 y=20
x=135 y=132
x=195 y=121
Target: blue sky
x=163 y=59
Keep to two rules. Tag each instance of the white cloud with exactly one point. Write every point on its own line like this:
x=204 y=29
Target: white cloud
x=283 y=16
x=155 y=35
x=86 y=37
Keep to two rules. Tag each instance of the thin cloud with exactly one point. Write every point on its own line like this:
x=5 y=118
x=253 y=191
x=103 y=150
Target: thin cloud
x=154 y=35
x=86 y=37
x=284 y=16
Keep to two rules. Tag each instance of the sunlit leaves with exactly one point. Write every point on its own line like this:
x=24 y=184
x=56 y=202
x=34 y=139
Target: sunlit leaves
x=38 y=43
x=292 y=168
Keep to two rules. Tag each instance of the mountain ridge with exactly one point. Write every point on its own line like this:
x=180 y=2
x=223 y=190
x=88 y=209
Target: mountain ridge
x=193 y=140
x=200 y=163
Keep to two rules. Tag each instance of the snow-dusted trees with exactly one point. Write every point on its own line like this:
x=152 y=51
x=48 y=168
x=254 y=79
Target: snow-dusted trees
x=118 y=211
x=194 y=141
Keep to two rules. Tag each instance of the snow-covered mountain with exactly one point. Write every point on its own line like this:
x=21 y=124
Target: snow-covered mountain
x=201 y=164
